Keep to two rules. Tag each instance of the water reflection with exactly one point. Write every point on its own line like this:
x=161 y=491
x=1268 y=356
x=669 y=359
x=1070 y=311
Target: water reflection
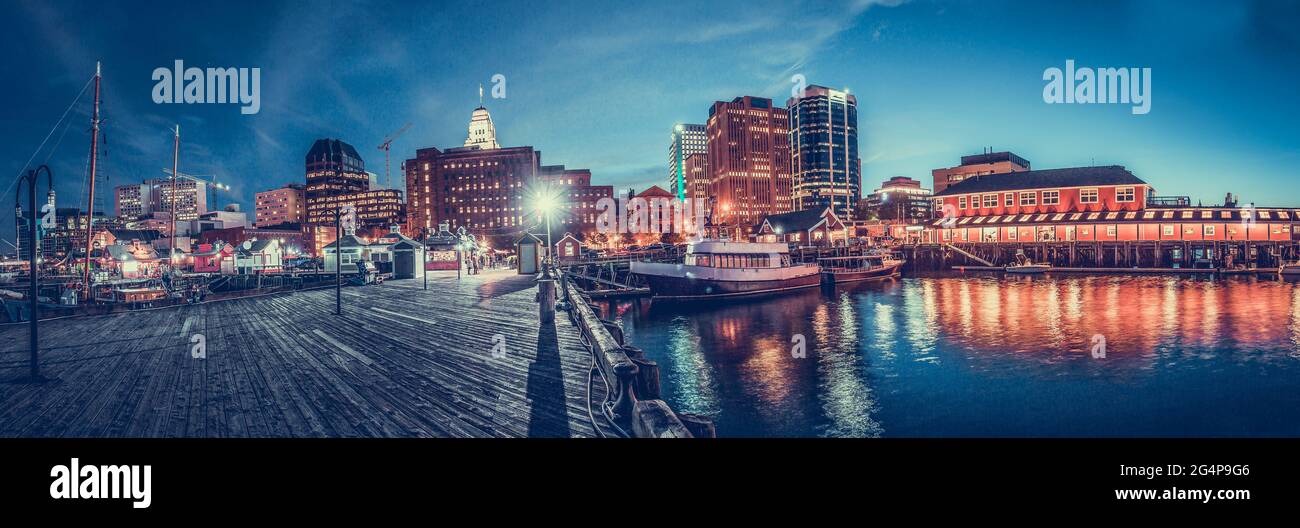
x=986 y=355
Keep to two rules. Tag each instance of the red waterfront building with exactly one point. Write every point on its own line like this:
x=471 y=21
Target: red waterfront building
x=1091 y=204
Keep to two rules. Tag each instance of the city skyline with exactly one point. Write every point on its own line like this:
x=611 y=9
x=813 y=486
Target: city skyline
x=915 y=118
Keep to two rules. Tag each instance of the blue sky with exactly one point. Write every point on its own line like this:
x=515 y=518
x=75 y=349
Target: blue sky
x=600 y=86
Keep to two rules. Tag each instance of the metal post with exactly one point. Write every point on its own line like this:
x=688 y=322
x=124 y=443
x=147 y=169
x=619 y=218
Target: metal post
x=338 y=262
x=459 y=261
x=34 y=312
x=34 y=289
x=424 y=264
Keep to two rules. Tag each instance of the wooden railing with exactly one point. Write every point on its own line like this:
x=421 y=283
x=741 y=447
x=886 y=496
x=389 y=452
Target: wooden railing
x=634 y=402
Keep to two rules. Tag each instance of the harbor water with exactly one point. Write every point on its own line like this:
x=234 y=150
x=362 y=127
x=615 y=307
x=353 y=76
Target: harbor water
x=986 y=355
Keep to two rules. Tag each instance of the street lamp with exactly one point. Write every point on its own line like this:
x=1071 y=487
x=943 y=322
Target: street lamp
x=547 y=202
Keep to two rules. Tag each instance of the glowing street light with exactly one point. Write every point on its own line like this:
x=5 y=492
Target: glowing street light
x=547 y=202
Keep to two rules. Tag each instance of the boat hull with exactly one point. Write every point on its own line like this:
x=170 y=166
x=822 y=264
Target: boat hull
x=840 y=277
x=702 y=289
x=1025 y=270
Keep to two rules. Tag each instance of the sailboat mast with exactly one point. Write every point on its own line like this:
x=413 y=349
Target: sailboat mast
x=90 y=205
x=176 y=153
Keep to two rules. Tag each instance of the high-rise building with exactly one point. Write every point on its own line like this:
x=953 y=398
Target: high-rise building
x=697 y=176
x=131 y=201
x=334 y=168
x=687 y=140
x=470 y=187
x=978 y=165
x=191 y=197
x=488 y=189
x=336 y=176
x=748 y=160
x=280 y=206
x=824 y=150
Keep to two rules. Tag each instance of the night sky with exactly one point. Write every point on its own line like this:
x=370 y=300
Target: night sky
x=600 y=86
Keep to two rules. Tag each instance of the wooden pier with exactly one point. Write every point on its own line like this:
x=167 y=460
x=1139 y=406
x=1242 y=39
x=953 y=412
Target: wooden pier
x=399 y=362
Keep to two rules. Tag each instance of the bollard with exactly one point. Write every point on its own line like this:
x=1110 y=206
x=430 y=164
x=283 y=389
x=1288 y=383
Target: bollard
x=625 y=377
x=546 y=300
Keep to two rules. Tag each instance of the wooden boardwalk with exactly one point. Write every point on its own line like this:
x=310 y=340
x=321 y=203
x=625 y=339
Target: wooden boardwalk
x=399 y=362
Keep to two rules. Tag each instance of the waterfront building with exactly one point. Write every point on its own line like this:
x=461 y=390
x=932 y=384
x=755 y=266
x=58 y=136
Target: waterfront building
x=687 y=140
x=577 y=197
x=280 y=206
x=825 y=166
x=982 y=164
x=1093 y=204
x=214 y=258
x=352 y=254
x=491 y=190
x=901 y=199
x=748 y=161
x=292 y=237
x=809 y=227
x=259 y=256
x=398 y=254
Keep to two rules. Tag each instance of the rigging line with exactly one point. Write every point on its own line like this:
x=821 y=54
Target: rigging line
x=47 y=136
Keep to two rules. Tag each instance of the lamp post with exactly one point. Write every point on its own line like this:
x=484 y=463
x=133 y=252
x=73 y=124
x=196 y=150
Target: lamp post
x=338 y=261
x=31 y=178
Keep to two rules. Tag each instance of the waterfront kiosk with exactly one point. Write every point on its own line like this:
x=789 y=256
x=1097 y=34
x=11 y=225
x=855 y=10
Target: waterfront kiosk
x=352 y=253
x=530 y=249
x=398 y=254
x=442 y=251
x=568 y=249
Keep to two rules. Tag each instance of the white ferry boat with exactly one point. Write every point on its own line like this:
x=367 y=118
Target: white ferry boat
x=720 y=269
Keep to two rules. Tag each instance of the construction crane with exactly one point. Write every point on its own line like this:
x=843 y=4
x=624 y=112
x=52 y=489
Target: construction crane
x=388 y=143
x=208 y=179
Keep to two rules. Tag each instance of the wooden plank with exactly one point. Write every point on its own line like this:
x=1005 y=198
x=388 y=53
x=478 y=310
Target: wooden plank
x=400 y=361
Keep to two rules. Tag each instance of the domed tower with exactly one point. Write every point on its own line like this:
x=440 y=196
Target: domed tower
x=481 y=131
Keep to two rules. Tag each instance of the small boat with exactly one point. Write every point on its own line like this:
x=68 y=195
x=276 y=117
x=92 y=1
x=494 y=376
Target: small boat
x=837 y=270
x=1290 y=270
x=714 y=269
x=1027 y=268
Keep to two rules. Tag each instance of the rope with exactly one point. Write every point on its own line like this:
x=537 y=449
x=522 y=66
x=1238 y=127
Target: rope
x=47 y=137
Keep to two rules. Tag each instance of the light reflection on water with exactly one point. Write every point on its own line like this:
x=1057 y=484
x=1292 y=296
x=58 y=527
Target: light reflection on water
x=987 y=356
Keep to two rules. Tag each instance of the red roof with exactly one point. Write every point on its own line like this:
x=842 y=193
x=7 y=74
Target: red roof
x=653 y=192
